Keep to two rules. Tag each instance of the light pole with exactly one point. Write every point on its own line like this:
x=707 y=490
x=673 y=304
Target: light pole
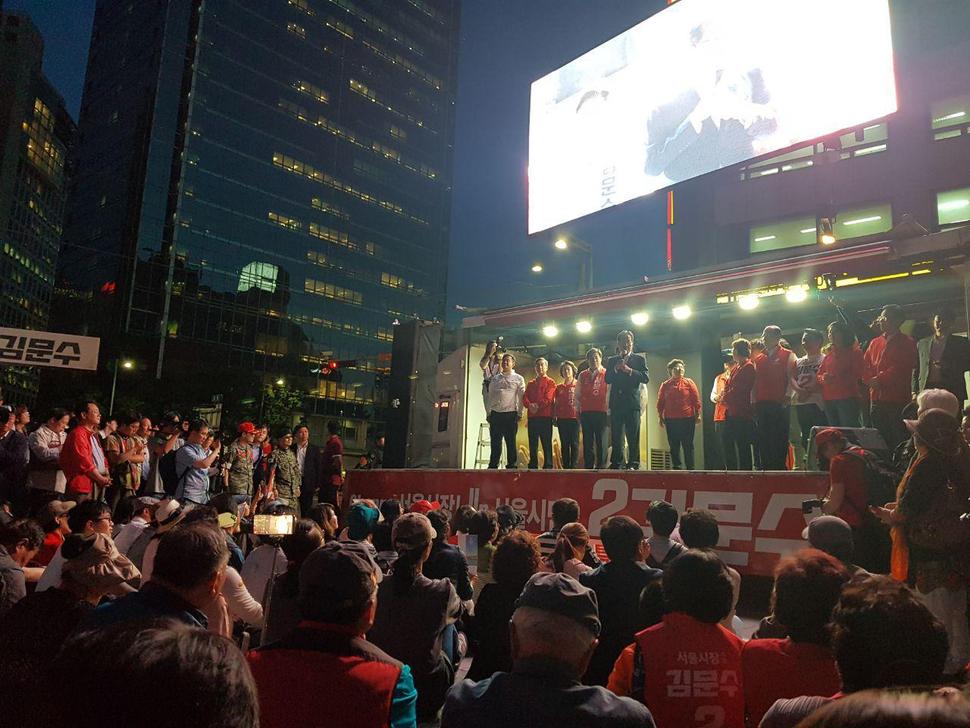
x=586 y=266
x=125 y=364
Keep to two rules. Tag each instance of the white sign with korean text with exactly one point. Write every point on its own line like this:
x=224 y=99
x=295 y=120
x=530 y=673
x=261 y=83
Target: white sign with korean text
x=22 y=347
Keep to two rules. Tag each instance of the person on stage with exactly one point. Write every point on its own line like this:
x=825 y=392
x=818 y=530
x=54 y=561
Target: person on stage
x=625 y=372
x=775 y=368
x=679 y=409
x=942 y=359
x=566 y=415
x=505 y=393
x=490 y=364
x=890 y=361
x=540 y=396
x=841 y=374
x=717 y=397
x=592 y=397
x=738 y=409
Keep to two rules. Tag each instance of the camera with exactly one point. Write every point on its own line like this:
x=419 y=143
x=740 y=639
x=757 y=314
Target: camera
x=266 y=525
x=499 y=347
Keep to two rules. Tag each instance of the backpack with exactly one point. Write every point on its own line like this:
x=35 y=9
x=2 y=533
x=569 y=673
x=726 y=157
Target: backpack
x=169 y=474
x=881 y=477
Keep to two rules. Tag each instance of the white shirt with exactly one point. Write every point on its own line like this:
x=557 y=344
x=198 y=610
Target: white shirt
x=45 y=446
x=52 y=574
x=263 y=563
x=301 y=455
x=129 y=533
x=505 y=393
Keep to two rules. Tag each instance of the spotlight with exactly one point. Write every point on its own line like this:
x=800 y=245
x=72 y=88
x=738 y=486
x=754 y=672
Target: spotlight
x=796 y=294
x=826 y=231
x=550 y=331
x=537 y=268
x=561 y=244
x=747 y=302
x=128 y=364
x=682 y=313
x=640 y=318
x=584 y=327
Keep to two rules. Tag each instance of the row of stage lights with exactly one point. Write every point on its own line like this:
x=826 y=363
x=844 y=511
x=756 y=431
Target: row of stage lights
x=747 y=302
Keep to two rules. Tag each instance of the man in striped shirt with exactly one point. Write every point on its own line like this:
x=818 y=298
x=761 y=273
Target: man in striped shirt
x=564 y=510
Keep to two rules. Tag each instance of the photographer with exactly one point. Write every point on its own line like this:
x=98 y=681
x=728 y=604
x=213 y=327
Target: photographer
x=192 y=462
x=491 y=365
x=504 y=406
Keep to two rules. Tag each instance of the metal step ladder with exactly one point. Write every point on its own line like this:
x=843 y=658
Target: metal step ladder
x=484 y=448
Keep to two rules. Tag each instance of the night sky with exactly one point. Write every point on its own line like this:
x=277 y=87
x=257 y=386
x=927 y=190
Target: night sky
x=505 y=45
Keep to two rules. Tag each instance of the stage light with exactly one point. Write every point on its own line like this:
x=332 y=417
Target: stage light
x=584 y=327
x=682 y=313
x=796 y=294
x=537 y=268
x=748 y=302
x=550 y=331
x=561 y=244
x=640 y=318
x=826 y=231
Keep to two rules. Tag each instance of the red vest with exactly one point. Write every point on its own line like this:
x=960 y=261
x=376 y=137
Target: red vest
x=541 y=392
x=592 y=391
x=566 y=402
x=322 y=676
x=691 y=673
x=773 y=375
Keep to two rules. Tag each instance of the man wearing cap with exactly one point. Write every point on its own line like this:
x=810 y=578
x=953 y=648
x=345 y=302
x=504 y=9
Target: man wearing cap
x=284 y=471
x=167 y=439
x=848 y=498
x=364 y=685
x=238 y=473
x=553 y=634
x=53 y=519
x=834 y=536
x=168 y=515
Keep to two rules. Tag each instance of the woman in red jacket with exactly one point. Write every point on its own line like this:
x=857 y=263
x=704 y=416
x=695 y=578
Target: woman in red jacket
x=840 y=375
x=540 y=394
x=566 y=415
x=738 y=409
x=679 y=408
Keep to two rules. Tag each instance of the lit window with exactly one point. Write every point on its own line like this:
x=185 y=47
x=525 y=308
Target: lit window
x=953 y=206
x=329 y=290
x=296 y=29
x=310 y=90
x=284 y=221
x=952 y=114
x=861 y=221
x=342 y=28
x=790 y=233
x=261 y=276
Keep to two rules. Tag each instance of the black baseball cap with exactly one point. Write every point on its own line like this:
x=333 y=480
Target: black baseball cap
x=562 y=594
x=338 y=575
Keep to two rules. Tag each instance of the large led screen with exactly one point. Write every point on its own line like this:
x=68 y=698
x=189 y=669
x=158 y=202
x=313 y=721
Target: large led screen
x=702 y=85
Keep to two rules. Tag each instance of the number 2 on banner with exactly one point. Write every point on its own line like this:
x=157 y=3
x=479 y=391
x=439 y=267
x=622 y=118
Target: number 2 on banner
x=600 y=488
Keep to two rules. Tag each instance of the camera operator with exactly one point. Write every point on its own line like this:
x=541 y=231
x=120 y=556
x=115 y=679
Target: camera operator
x=491 y=365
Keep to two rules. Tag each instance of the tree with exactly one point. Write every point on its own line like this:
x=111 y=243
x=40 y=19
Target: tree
x=279 y=404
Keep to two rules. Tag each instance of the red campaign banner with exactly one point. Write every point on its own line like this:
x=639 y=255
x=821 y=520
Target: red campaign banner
x=760 y=514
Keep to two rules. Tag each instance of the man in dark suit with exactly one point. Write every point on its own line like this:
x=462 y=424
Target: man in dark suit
x=625 y=372
x=308 y=458
x=943 y=359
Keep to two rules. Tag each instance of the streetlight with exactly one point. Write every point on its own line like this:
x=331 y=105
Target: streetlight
x=537 y=268
x=280 y=382
x=586 y=267
x=127 y=364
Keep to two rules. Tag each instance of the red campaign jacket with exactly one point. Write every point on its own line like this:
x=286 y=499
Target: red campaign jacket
x=678 y=399
x=592 y=391
x=891 y=361
x=692 y=673
x=76 y=460
x=737 y=391
x=541 y=392
x=320 y=675
x=566 y=406
x=840 y=373
x=774 y=374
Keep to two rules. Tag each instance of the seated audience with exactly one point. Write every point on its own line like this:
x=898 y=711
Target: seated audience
x=143 y=510
x=87 y=517
x=882 y=636
x=662 y=517
x=564 y=510
x=807 y=588
x=571 y=546
x=413 y=613
x=152 y=676
x=325 y=516
x=325 y=673
x=281 y=606
x=484 y=526
x=190 y=568
x=447 y=561
x=35 y=628
x=362 y=519
x=264 y=562
x=893 y=710
x=670 y=667
x=618 y=584
x=699 y=530
x=553 y=636
x=509 y=520
x=53 y=519
x=390 y=510
x=516 y=560
x=19 y=543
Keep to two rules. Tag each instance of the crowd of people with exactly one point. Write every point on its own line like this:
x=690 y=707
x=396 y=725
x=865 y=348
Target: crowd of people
x=839 y=380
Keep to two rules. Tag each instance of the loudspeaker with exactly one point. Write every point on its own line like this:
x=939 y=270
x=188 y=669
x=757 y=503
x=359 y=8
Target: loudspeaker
x=868 y=438
x=411 y=395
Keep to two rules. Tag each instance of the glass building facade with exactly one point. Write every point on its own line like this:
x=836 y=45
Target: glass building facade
x=36 y=133
x=264 y=187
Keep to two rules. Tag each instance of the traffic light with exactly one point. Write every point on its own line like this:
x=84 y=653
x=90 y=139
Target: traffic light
x=333 y=369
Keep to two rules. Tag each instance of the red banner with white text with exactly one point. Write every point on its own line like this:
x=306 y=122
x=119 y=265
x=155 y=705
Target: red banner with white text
x=759 y=514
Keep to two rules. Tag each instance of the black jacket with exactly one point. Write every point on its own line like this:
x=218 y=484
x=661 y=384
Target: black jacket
x=312 y=470
x=625 y=388
x=954 y=362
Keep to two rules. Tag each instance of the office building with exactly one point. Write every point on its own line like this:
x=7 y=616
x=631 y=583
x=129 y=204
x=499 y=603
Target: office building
x=263 y=187
x=36 y=133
